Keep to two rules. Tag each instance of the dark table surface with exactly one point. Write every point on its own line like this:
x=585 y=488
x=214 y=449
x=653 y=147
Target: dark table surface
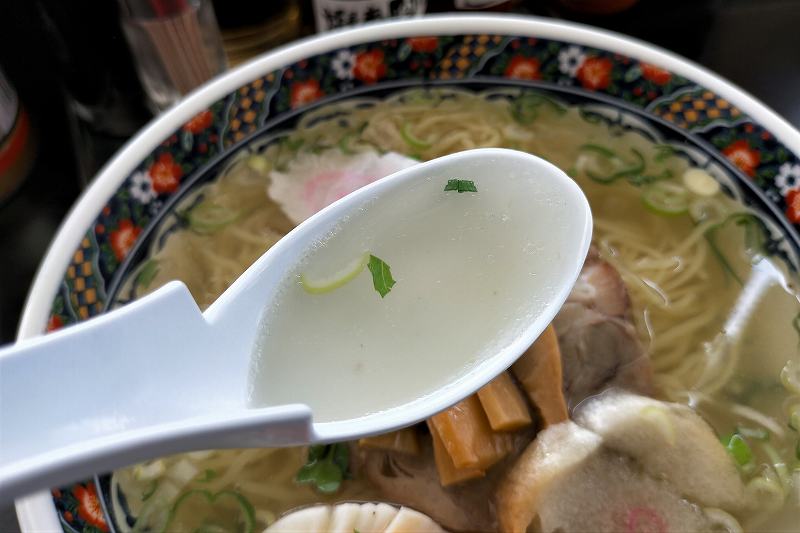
x=754 y=43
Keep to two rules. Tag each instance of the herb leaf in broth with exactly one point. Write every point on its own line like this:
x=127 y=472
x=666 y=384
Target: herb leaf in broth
x=326 y=467
x=460 y=186
x=381 y=275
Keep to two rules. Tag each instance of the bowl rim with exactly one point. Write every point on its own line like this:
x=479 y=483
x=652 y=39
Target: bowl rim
x=37 y=512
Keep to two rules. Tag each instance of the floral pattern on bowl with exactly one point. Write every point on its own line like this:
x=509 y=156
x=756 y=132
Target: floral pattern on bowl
x=617 y=80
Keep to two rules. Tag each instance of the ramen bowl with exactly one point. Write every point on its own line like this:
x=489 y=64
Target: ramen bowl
x=579 y=78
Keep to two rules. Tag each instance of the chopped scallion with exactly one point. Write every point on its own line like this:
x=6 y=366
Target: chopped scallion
x=259 y=163
x=150 y=490
x=606 y=166
x=753 y=433
x=336 y=280
x=147 y=273
x=245 y=521
x=344 y=144
x=666 y=199
x=663 y=151
x=207 y=476
x=739 y=450
x=412 y=140
x=790 y=376
x=525 y=109
x=207 y=217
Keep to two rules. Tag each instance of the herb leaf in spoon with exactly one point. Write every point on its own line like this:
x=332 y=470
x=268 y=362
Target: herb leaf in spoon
x=460 y=186
x=381 y=275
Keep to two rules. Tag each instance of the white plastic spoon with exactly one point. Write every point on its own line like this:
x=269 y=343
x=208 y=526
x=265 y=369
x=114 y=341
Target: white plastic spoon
x=158 y=376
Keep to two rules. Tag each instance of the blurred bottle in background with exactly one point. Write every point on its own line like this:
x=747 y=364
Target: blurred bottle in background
x=93 y=69
x=332 y=14
x=475 y=5
x=251 y=28
x=176 y=46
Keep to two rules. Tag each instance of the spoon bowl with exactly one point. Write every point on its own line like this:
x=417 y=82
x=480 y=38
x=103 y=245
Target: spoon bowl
x=179 y=380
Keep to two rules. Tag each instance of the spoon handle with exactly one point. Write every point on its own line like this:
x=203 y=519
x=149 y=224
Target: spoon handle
x=149 y=379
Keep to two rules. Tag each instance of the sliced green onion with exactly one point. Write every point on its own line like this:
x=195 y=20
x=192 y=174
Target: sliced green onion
x=150 y=490
x=666 y=199
x=334 y=281
x=790 y=376
x=606 y=166
x=700 y=182
x=293 y=144
x=794 y=417
x=754 y=238
x=207 y=218
x=525 y=109
x=739 y=450
x=259 y=163
x=663 y=151
x=344 y=144
x=753 y=433
x=645 y=179
x=207 y=476
x=779 y=464
x=246 y=510
x=412 y=140
x=147 y=273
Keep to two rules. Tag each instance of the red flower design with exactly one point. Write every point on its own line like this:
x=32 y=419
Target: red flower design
x=123 y=237
x=199 y=122
x=744 y=157
x=793 y=205
x=53 y=324
x=595 y=73
x=423 y=44
x=165 y=174
x=89 y=508
x=369 y=66
x=305 y=92
x=523 y=68
x=657 y=75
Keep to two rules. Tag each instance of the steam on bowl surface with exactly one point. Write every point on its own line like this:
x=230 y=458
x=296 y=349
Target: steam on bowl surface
x=673 y=257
